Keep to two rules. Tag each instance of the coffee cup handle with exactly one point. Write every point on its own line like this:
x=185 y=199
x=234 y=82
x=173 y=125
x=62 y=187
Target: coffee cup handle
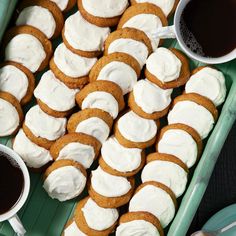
x=17 y=225
x=165 y=32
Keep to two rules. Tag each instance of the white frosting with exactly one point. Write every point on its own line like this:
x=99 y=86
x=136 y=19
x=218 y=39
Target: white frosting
x=82 y=35
x=73 y=230
x=136 y=128
x=95 y=127
x=65 y=183
x=62 y=4
x=119 y=157
x=72 y=64
x=33 y=155
x=82 y=153
x=13 y=81
x=102 y=100
x=181 y=144
x=44 y=126
x=99 y=218
x=193 y=115
x=150 y=97
x=109 y=185
x=165 y=5
x=208 y=82
x=164 y=65
x=148 y=23
x=26 y=50
x=137 y=228
x=134 y=48
x=38 y=17
x=105 y=8
x=9 y=118
x=119 y=73
x=55 y=93
x=167 y=173
x=155 y=201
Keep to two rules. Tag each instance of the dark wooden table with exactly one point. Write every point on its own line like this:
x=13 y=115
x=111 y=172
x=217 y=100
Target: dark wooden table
x=221 y=190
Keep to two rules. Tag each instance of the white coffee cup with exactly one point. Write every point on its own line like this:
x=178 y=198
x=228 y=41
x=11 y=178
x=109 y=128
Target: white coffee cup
x=175 y=32
x=11 y=215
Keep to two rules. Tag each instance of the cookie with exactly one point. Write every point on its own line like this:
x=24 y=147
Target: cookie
x=181 y=141
x=118 y=160
x=44 y=15
x=102 y=13
x=58 y=180
x=11 y=114
x=53 y=96
x=71 y=228
x=78 y=147
x=145 y=17
x=43 y=129
x=208 y=82
x=168 y=170
x=82 y=37
x=147 y=198
x=27 y=46
x=149 y=101
x=195 y=111
x=130 y=41
x=34 y=156
x=17 y=80
x=104 y=95
x=71 y=68
x=65 y=5
x=110 y=191
x=139 y=222
x=91 y=121
x=129 y=134
x=87 y=220
x=119 y=68
x=167 y=68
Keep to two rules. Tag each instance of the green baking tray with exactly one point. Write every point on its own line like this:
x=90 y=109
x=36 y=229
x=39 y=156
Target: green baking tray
x=43 y=216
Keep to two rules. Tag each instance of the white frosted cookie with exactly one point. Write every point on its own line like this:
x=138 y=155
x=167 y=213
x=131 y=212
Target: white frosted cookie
x=73 y=230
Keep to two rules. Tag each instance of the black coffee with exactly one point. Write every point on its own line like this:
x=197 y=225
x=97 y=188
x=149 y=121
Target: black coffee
x=208 y=27
x=11 y=183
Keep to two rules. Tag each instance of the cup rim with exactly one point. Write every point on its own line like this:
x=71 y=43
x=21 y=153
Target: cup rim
x=7 y=215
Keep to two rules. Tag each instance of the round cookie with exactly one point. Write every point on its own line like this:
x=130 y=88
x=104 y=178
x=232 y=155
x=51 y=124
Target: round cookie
x=129 y=134
x=168 y=6
x=71 y=228
x=104 y=95
x=43 y=129
x=53 y=96
x=148 y=196
x=118 y=160
x=27 y=46
x=145 y=17
x=130 y=41
x=195 y=111
x=91 y=121
x=65 y=5
x=66 y=175
x=181 y=141
x=168 y=170
x=167 y=68
x=102 y=13
x=119 y=68
x=17 y=80
x=41 y=14
x=78 y=147
x=11 y=114
x=208 y=82
x=110 y=191
x=64 y=65
x=87 y=220
x=34 y=156
x=143 y=100
x=82 y=37
x=139 y=222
